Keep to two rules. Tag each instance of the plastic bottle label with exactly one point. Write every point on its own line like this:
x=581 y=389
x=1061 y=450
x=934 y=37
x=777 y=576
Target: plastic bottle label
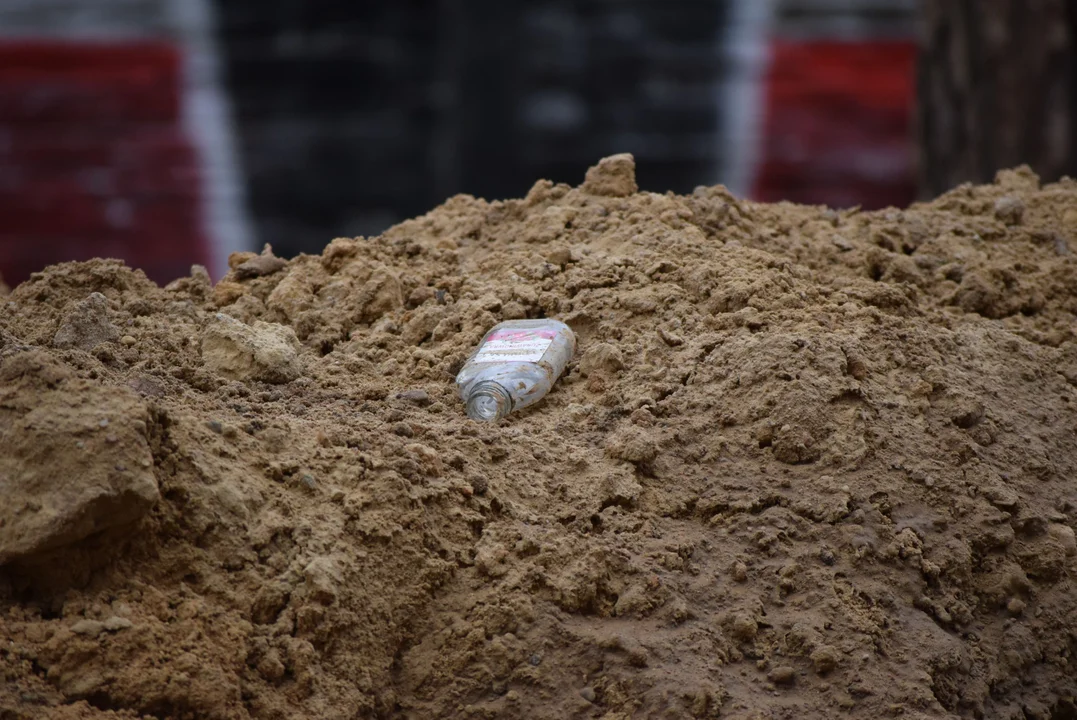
x=515 y=345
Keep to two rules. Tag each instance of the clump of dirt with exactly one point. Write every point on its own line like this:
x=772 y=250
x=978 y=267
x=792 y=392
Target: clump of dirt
x=806 y=462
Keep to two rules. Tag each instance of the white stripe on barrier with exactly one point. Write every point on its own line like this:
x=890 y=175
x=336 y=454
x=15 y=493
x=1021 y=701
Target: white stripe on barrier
x=746 y=43
x=208 y=122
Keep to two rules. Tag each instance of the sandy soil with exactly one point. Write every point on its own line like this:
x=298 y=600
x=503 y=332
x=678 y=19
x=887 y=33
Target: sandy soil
x=805 y=464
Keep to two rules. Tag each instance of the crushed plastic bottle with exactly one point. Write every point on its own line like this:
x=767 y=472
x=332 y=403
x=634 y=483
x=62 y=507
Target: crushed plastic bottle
x=514 y=366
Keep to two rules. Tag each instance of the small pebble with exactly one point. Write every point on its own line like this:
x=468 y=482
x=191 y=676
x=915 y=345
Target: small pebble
x=128 y=340
x=103 y=423
x=825 y=658
x=782 y=675
x=1015 y=606
x=265 y=264
x=559 y=256
x=744 y=627
x=92 y=628
x=841 y=243
x=420 y=295
x=419 y=397
x=588 y=694
x=270 y=667
x=671 y=339
x=117 y=623
x=308 y=481
x=1009 y=210
x=215 y=426
x=740 y=571
x=513 y=310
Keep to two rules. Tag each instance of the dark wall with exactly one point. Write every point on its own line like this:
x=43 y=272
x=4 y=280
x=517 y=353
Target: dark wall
x=998 y=87
x=353 y=116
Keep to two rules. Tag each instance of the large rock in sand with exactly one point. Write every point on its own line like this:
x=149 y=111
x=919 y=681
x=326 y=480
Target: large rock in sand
x=614 y=176
x=261 y=351
x=87 y=325
x=74 y=457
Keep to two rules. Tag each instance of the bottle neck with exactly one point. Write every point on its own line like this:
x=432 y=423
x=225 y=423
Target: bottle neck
x=488 y=401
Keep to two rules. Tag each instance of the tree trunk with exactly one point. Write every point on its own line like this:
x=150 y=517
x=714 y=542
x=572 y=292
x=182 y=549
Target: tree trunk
x=997 y=86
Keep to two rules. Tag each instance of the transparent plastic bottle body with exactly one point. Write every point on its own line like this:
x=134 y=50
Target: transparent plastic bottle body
x=514 y=366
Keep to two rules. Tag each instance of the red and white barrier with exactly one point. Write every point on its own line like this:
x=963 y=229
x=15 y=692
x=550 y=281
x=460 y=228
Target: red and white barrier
x=114 y=138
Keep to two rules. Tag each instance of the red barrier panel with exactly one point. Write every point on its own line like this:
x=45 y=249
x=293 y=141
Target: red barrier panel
x=94 y=161
x=838 y=126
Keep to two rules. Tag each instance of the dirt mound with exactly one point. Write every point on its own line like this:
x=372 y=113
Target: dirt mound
x=805 y=463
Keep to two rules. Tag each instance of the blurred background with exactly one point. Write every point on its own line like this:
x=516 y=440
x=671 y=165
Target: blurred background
x=172 y=132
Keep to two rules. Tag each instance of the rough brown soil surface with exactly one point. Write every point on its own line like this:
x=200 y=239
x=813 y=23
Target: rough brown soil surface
x=806 y=464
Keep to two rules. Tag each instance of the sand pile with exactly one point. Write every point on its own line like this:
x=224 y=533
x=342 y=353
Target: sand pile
x=805 y=463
